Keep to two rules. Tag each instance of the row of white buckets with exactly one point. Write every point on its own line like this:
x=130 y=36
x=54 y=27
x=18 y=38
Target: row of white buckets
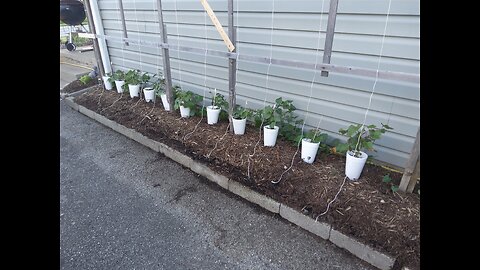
x=353 y=167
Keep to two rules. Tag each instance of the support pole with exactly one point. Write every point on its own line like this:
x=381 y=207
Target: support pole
x=102 y=43
x=332 y=18
x=96 y=48
x=165 y=57
x=122 y=17
x=410 y=175
x=232 y=66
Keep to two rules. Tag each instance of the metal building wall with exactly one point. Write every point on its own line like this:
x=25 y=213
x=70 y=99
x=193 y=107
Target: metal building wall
x=337 y=101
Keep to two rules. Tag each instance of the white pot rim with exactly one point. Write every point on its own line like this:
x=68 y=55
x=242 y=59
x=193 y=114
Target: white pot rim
x=239 y=119
x=268 y=127
x=148 y=89
x=307 y=140
x=212 y=107
x=363 y=155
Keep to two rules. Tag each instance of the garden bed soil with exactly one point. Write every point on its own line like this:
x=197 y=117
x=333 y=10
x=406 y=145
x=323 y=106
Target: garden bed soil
x=77 y=85
x=367 y=209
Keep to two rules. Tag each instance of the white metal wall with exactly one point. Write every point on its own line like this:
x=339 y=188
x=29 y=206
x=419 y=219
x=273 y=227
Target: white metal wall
x=338 y=100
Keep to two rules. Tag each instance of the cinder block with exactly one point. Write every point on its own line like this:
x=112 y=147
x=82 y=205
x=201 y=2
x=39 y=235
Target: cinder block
x=175 y=155
x=319 y=228
x=208 y=173
x=69 y=101
x=86 y=111
x=362 y=251
x=104 y=121
x=253 y=196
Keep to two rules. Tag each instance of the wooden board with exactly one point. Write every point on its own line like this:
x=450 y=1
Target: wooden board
x=217 y=24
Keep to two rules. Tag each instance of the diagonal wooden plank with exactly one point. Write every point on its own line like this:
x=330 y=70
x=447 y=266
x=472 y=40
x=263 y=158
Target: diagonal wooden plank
x=217 y=24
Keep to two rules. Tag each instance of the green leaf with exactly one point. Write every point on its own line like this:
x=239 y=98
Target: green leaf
x=352 y=130
x=394 y=188
x=368 y=145
x=342 y=147
x=387 y=178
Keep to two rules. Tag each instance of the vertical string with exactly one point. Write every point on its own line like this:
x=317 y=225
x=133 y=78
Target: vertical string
x=266 y=87
x=178 y=45
x=376 y=75
x=122 y=42
x=138 y=34
x=309 y=98
x=368 y=108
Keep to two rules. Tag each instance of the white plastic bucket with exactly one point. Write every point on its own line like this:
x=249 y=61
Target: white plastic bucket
x=118 y=85
x=108 y=85
x=165 y=103
x=184 y=111
x=212 y=114
x=309 y=150
x=354 y=165
x=239 y=126
x=134 y=90
x=149 y=94
x=270 y=136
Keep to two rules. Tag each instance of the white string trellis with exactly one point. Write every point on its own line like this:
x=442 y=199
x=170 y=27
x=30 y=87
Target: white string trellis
x=368 y=107
x=309 y=98
x=204 y=75
x=376 y=74
x=266 y=87
x=178 y=45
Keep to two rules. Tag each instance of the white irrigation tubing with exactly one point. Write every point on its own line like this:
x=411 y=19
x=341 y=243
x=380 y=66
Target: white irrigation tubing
x=368 y=108
x=334 y=198
x=309 y=98
x=178 y=45
x=266 y=87
x=376 y=75
x=226 y=132
x=201 y=118
x=121 y=95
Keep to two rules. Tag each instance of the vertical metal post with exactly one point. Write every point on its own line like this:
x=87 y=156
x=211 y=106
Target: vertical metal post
x=332 y=18
x=410 y=174
x=232 y=66
x=165 y=57
x=122 y=17
x=96 y=49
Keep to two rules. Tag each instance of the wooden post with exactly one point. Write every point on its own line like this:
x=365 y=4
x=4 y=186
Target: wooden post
x=122 y=17
x=96 y=48
x=409 y=178
x=232 y=66
x=332 y=18
x=166 y=58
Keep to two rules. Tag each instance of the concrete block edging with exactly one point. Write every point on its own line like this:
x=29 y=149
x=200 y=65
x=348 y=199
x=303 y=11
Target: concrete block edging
x=321 y=229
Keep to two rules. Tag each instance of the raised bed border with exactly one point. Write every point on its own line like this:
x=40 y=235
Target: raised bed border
x=324 y=230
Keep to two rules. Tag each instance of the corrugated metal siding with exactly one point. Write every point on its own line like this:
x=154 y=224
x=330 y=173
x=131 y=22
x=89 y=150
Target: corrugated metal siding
x=337 y=101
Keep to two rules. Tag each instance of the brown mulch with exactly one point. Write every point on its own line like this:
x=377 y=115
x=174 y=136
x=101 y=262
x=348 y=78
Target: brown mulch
x=77 y=85
x=366 y=209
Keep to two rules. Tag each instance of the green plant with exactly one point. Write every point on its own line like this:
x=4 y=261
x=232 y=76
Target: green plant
x=242 y=113
x=159 y=86
x=187 y=99
x=118 y=75
x=360 y=137
x=85 y=79
x=219 y=101
x=281 y=115
x=388 y=179
x=315 y=136
x=133 y=77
